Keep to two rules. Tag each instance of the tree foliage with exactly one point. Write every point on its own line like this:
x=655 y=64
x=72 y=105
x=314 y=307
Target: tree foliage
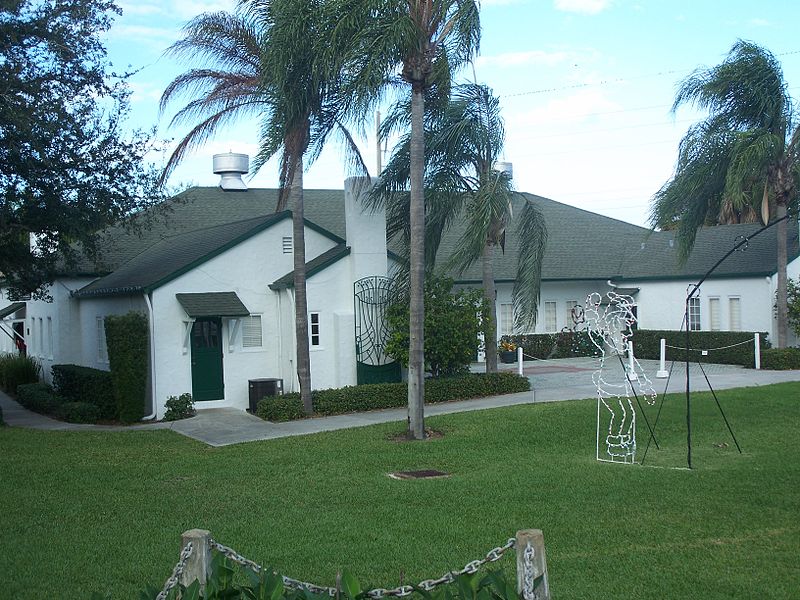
x=452 y=323
x=67 y=167
x=794 y=305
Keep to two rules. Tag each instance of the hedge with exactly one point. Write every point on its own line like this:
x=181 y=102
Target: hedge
x=280 y=408
x=78 y=412
x=17 y=370
x=84 y=384
x=780 y=359
x=566 y=344
x=38 y=397
x=646 y=344
x=127 y=341
x=376 y=396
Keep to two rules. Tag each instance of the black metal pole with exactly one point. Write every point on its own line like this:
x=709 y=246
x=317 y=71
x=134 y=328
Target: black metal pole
x=658 y=414
x=719 y=406
x=635 y=395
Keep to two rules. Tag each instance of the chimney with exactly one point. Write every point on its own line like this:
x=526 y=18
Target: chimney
x=231 y=166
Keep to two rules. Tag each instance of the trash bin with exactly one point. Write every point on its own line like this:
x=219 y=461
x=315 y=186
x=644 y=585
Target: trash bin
x=261 y=388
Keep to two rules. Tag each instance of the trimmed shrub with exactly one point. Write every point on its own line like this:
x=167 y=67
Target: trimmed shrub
x=734 y=347
x=780 y=359
x=127 y=340
x=566 y=344
x=16 y=369
x=78 y=412
x=85 y=384
x=360 y=398
x=280 y=408
x=38 y=397
x=179 y=407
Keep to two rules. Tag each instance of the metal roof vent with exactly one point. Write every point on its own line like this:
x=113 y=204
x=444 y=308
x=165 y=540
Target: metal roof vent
x=505 y=167
x=231 y=166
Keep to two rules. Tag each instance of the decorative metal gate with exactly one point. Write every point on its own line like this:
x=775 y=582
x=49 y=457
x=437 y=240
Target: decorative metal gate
x=372 y=332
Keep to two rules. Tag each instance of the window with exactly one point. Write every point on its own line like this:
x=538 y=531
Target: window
x=287 y=244
x=102 y=350
x=550 y=323
x=32 y=333
x=251 y=332
x=694 y=314
x=570 y=316
x=41 y=337
x=713 y=314
x=506 y=319
x=315 y=329
x=735 y=313
x=49 y=337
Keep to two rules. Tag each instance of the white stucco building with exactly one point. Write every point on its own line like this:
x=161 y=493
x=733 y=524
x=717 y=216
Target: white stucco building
x=212 y=270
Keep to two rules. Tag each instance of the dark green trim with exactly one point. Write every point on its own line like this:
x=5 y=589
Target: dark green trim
x=694 y=276
x=314 y=266
x=212 y=304
x=11 y=308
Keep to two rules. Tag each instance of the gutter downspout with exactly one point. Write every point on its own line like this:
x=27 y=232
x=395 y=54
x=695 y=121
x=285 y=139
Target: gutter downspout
x=151 y=321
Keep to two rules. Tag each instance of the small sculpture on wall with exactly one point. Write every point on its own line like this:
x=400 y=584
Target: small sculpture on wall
x=609 y=325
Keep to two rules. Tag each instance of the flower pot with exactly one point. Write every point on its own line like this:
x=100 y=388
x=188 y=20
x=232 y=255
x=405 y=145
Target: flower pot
x=508 y=356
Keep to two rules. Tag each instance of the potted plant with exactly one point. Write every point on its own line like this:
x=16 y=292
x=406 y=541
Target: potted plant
x=507 y=351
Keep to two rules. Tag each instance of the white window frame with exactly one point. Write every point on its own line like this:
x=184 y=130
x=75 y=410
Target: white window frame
x=102 y=345
x=246 y=323
x=315 y=330
x=506 y=319
x=737 y=313
x=550 y=306
x=570 y=304
x=694 y=316
x=714 y=313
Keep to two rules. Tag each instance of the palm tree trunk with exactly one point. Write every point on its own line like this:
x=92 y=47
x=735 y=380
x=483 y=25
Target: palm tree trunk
x=300 y=299
x=416 y=359
x=782 y=293
x=490 y=296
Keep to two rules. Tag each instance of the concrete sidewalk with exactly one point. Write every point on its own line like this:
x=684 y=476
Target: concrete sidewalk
x=556 y=380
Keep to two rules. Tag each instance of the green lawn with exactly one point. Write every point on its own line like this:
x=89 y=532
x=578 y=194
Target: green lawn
x=83 y=512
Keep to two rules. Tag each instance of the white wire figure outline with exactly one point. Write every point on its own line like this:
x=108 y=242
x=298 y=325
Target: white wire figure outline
x=610 y=329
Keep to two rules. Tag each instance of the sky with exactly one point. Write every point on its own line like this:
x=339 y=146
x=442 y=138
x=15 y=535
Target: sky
x=586 y=88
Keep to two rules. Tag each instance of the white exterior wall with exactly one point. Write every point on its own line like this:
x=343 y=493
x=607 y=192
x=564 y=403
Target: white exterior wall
x=661 y=304
x=246 y=269
x=793 y=271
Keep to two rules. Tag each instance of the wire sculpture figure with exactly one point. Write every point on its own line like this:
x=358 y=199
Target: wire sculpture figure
x=609 y=325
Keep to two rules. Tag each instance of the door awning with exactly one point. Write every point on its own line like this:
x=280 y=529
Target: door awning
x=212 y=304
x=11 y=309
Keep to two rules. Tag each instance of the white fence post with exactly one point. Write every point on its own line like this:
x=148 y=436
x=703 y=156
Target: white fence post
x=519 y=360
x=757 y=342
x=662 y=360
x=199 y=564
x=532 y=582
x=631 y=368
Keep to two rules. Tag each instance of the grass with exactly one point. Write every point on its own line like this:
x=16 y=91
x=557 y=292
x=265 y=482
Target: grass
x=103 y=511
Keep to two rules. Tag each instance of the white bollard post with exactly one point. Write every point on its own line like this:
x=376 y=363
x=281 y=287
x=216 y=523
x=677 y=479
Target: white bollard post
x=662 y=360
x=631 y=369
x=519 y=360
x=757 y=342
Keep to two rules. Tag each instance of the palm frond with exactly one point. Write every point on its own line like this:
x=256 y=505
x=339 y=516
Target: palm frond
x=531 y=232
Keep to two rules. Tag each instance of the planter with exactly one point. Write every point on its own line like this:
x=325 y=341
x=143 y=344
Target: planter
x=508 y=356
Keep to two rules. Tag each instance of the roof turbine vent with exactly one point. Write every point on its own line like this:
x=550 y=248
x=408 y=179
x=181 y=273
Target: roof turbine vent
x=231 y=166
x=504 y=167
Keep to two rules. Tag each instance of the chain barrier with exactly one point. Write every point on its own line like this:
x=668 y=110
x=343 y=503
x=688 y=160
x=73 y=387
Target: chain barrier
x=428 y=585
x=750 y=341
x=173 y=579
x=527 y=573
x=592 y=364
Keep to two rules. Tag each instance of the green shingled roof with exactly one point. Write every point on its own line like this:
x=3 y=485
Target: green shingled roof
x=212 y=304
x=314 y=266
x=202 y=222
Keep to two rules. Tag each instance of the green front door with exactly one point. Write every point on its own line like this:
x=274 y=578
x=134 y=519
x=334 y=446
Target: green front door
x=207 y=383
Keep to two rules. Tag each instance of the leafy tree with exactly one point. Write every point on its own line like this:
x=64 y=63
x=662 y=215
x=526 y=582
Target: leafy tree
x=428 y=39
x=793 y=294
x=452 y=323
x=463 y=141
x=67 y=169
x=743 y=158
x=272 y=61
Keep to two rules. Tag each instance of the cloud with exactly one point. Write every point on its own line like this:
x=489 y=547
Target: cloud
x=575 y=108
x=586 y=7
x=517 y=59
x=188 y=9
x=141 y=9
x=760 y=22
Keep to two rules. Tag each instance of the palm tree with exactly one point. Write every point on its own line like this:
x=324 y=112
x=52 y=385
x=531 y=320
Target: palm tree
x=429 y=39
x=272 y=60
x=464 y=139
x=744 y=156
